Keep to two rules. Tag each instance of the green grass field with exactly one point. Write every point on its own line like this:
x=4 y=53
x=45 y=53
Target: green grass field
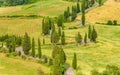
x=94 y=56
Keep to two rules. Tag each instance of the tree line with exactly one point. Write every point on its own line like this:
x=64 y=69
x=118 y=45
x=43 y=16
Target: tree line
x=15 y=2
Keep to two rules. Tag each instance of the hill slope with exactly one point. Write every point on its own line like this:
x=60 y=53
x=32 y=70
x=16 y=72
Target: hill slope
x=109 y=11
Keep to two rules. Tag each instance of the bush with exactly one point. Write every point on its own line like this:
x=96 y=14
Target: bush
x=23 y=57
x=109 y=22
x=4 y=50
x=115 y=22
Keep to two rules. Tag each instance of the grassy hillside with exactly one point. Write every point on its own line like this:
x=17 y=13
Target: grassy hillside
x=94 y=56
x=109 y=11
x=42 y=8
x=10 y=66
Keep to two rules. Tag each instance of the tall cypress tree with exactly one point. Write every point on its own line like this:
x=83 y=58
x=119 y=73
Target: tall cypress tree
x=78 y=7
x=83 y=12
x=26 y=44
x=85 y=38
x=94 y=35
x=54 y=37
x=74 y=62
x=78 y=38
x=59 y=31
x=33 y=47
x=89 y=32
x=43 y=26
x=63 y=38
x=13 y=44
x=39 y=49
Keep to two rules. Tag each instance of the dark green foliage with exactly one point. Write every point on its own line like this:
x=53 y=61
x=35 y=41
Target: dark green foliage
x=89 y=32
x=33 y=47
x=59 y=51
x=115 y=22
x=83 y=12
x=59 y=59
x=78 y=7
x=100 y=2
x=50 y=61
x=13 y=44
x=78 y=38
x=54 y=37
x=109 y=22
x=94 y=35
x=63 y=38
x=74 y=13
x=43 y=41
x=39 y=49
x=46 y=25
x=85 y=39
x=56 y=66
x=67 y=14
x=60 y=21
x=74 y=62
x=26 y=44
x=59 y=31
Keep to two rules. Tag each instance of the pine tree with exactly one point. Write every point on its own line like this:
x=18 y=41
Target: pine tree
x=39 y=49
x=33 y=47
x=78 y=7
x=59 y=31
x=74 y=62
x=78 y=38
x=94 y=35
x=26 y=44
x=85 y=38
x=63 y=38
x=83 y=12
x=89 y=32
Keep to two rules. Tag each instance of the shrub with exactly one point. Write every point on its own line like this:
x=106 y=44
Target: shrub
x=109 y=22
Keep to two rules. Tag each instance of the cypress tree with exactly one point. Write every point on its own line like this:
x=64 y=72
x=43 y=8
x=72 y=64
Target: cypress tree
x=85 y=38
x=83 y=12
x=13 y=44
x=59 y=51
x=100 y=2
x=26 y=44
x=78 y=38
x=74 y=13
x=59 y=31
x=94 y=35
x=39 y=49
x=33 y=47
x=43 y=26
x=43 y=41
x=60 y=21
x=89 y=32
x=63 y=38
x=55 y=37
x=56 y=66
x=78 y=7
x=74 y=62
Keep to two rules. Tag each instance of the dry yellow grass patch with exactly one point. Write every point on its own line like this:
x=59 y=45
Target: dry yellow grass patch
x=9 y=9
x=109 y=11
